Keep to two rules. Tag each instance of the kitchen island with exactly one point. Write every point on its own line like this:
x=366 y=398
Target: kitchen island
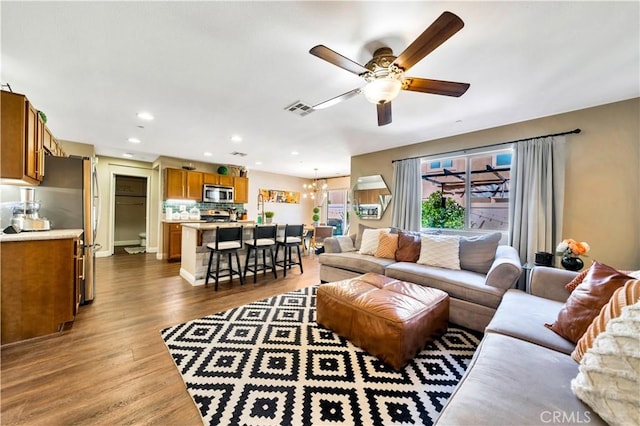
x=195 y=254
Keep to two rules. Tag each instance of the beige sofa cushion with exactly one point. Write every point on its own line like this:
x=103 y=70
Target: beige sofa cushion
x=523 y=316
x=464 y=285
x=477 y=253
x=512 y=382
x=356 y=262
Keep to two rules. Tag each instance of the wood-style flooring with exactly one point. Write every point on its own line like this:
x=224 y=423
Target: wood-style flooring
x=112 y=367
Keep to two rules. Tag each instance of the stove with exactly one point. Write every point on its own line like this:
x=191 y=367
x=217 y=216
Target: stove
x=214 y=215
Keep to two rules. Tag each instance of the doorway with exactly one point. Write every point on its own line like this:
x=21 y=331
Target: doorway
x=130 y=214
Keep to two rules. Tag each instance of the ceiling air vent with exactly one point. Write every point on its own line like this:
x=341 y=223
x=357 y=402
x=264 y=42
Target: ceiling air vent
x=239 y=154
x=300 y=108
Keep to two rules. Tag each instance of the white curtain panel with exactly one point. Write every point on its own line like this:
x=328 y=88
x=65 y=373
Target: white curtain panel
x=407 y=195
x=537 y=196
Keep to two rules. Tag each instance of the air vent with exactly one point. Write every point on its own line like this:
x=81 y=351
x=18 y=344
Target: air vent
x=239 y=154
x=300 y=108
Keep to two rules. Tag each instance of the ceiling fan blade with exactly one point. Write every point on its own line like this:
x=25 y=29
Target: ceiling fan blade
x=436 y=87
x=437 y=33
x=323 y=52
x=331 y=102
x=384 y=113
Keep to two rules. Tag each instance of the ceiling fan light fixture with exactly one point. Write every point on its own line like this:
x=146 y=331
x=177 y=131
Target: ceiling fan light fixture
x=382 y=90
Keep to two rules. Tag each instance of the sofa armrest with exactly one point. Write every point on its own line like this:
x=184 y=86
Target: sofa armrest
x=549 y=282
x=506 y=268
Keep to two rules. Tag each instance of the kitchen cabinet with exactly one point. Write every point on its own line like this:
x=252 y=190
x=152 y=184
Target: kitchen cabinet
x=49 y=142
x=40 y=290
x=183 y=185
x=241 y=189
x=216 y=179
x=22 y=147
x=172 y=237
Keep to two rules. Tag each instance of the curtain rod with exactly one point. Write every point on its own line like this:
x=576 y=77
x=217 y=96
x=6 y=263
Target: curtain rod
x=574 y=131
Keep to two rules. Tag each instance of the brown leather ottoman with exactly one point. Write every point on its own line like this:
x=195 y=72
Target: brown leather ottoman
x=390 y=319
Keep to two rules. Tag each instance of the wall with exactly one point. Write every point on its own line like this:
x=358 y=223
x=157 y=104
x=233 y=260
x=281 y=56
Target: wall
x=602 y=182
x=76 y=148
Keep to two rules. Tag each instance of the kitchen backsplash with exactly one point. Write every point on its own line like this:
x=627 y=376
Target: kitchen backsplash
x=175 y=205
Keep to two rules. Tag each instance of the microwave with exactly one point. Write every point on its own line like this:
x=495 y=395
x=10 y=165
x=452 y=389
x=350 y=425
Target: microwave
x=217 y=194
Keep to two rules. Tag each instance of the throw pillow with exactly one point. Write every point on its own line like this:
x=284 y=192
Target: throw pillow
x=387 y=245
x=609 y=378
x=585 y=302
x=361 y=229
x=345 y=243
x=477 y=253
x=576 y=281
x=624 y=296
x=369 y=243
x=440 y=250
x=408 y=247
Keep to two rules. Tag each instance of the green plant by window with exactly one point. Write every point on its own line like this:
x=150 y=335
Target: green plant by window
x=268 y=214
x=316 y=210
x=436 y=215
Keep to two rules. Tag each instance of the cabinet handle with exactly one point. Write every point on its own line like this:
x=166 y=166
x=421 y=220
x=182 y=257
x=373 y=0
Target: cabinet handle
x=82 y=268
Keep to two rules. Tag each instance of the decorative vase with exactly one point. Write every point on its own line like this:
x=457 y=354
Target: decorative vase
x=571 y=263
x=268 y=219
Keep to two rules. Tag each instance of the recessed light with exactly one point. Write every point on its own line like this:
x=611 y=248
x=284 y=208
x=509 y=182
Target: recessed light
x=258 y=163
x=134 y=140
x=127 y=155
x=208 y=154
x=295 y=153
x=236 y=138
x=145 y=116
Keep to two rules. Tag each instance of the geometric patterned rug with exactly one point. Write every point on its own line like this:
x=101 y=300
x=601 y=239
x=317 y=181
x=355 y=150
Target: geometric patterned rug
x=269 y=363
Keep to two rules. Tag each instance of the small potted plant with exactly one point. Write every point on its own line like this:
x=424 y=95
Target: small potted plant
x=316 y=216
x=268 y=216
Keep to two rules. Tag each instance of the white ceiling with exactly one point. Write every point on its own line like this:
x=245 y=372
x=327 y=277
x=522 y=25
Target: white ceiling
x=209 y=70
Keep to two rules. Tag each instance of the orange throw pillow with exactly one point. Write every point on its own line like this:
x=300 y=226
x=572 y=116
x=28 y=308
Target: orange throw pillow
x=577 y=280
x=586 y=300
x=624 y=296
x=387 y=245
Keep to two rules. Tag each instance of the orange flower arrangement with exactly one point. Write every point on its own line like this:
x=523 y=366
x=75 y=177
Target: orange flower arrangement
x=572 y=248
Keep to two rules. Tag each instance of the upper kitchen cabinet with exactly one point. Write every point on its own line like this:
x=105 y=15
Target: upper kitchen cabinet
x=241 y=189
x=216 y=179
x=183 y=185
x=22 y=145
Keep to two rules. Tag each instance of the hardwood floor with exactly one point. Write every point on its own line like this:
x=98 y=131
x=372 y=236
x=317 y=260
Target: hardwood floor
x=112 y=367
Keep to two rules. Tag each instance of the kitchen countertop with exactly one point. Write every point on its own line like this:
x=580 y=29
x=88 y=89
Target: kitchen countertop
x=207 y=226
x=54 y=234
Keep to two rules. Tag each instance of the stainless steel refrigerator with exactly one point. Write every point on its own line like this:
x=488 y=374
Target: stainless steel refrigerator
x=70 y=199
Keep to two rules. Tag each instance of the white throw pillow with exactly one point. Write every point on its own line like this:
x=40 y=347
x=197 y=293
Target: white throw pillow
x=609 y=376
x=369 y=243
x=440 y=250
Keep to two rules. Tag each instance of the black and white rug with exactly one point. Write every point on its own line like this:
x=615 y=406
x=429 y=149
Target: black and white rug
x=269 y=363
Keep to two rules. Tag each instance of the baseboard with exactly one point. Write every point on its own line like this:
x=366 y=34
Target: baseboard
x=103 y=254
x=126 y=243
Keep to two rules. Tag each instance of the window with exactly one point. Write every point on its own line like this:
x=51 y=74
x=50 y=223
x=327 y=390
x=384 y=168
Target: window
x=337 y=208
x=467 y=191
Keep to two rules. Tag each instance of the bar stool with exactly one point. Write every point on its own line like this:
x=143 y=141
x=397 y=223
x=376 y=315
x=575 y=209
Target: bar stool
x=292 y=237
x=228 y=241
x=264 y=238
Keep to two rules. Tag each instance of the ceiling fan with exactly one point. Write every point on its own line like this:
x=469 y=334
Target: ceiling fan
x=384 y=73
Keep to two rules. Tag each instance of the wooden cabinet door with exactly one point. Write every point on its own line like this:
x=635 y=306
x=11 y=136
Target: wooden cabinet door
x=226 y=180
x=32 y=143
x=173 y=240
x=194 y=186
x=175 y=184
x=241 y=189
x=210 y=179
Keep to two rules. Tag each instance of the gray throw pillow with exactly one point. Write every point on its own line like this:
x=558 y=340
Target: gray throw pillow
x=477 y=253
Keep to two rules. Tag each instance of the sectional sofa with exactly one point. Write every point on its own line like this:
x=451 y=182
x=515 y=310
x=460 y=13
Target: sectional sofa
x=487 y=271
